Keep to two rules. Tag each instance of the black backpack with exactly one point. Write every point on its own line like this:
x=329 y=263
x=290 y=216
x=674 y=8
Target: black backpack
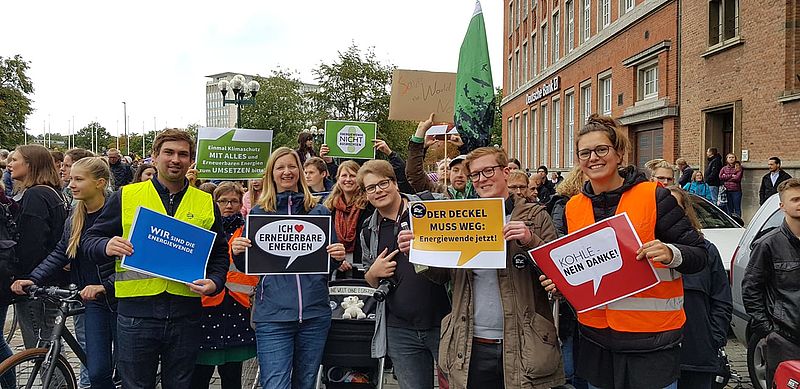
x=9 y=235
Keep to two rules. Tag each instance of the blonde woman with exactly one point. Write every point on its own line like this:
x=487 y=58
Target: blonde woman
x=291 y=313
x=349 y=208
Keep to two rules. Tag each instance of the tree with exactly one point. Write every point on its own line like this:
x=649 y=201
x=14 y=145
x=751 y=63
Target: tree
x=15 y=105
x=104 y=141
x=280 y=106
x=496 y=137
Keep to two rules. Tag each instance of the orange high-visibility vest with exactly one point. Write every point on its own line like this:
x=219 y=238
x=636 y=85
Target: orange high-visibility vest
x=239 y=285
x=657 y=309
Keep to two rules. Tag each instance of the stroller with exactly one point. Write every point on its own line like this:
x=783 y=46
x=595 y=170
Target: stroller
x=347 y=361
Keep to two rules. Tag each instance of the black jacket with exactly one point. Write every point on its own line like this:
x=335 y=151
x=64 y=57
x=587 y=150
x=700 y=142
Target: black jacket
x=40 y=223
x=709 y=307
x=771 y=284
x=546 y=190
x=767 y=189
x=122 y=174
x=82 y=271
x=556 y=207
x=712 y=170
x=673 y=227
x=686 y=176
x=164 y=305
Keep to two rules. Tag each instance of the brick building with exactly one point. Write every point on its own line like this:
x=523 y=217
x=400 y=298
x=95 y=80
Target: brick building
x=566 y=59
x=740 y=77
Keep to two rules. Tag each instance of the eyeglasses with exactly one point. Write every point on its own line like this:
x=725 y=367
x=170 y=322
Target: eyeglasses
x=228 y=202
x=599 y=151
x=517 y=187
x=664 y=179
x=383 y=185
x=487 y=173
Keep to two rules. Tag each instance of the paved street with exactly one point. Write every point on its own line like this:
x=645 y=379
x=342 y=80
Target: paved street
x=737 y=354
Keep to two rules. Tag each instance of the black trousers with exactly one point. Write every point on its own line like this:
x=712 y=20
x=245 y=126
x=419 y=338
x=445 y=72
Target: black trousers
x=486 y=366
x=230 y=374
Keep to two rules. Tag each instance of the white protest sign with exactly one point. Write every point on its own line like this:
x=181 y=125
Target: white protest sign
x=290 y=238
x=588 y=258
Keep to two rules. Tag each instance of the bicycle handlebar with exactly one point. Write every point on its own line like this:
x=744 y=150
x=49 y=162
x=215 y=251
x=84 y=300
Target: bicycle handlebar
x=52 y=291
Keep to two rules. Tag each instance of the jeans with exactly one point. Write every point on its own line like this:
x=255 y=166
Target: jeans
x=486 y=367
x=80 y=336
x=734 y=204
x=714 y=193
x=568 y=354
x=101 y=328
x=413 y=353
x=673 y=385
x=7 y=381
x=36 y=321
x=142 y=341
x=290 y=353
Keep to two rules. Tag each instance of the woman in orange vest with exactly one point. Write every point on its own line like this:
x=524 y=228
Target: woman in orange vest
x=633 y=343
x=228 y=339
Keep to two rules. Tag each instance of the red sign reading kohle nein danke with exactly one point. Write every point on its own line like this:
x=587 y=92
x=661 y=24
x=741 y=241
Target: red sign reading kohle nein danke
x=596 y=265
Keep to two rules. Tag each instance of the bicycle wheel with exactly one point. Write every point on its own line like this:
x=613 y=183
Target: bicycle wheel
x=10 y=328
x=26 y=369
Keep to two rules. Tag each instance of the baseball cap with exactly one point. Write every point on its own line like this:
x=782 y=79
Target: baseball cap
x=458 y=159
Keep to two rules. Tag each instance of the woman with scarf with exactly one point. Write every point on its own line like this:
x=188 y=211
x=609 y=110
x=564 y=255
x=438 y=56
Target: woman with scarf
x=229 y=340
x=349 y=208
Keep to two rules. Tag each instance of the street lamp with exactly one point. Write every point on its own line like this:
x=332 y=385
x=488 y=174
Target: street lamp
x=315 y=133
x=240 y=88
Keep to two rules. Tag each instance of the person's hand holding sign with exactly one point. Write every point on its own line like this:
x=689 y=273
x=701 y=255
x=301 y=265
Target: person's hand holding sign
x=323 y=153
x=517 y=230
x=240 y=244
x=118 y=247
x=337 y=251
x=381 y=146
x=655 y=251
x=204 y=287
x=404 y=241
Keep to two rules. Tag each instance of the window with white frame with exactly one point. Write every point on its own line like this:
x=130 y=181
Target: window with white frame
x=525 y=62
x=587 y=18
x=647 y=80
x=556 y=132
x=534 y=57
x=535 y=130
x=510 y=132
x=526 y=146
x=569 y=110
x=516 y=62
x=605 y=13
x=626 y=6
x=519 y=8
x=586 y=106
x=510 y=74
x=723 y=20
x=556 y=36
x=518 y=143
x=545 y=135
x=533 y=4
x=524 y=9
x=544 y=46
x=569 y=8
x=604 y=95
x=510 y=17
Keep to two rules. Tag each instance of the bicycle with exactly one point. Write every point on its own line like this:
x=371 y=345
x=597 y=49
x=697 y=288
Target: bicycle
x=46 y=367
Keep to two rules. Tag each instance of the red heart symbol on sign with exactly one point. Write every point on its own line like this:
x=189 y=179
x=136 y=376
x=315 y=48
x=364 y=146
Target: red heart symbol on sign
x=299 y=227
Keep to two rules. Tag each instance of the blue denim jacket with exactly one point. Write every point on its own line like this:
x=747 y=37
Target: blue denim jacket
x=286 y=298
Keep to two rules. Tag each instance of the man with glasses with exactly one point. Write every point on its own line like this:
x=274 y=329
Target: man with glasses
x=122 y=172
x=408 y=320
x=518 y=185
x=660 y=171
x=501 y=329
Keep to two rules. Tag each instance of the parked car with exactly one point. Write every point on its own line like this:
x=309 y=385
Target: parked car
x=767 y=218
x=719 y=228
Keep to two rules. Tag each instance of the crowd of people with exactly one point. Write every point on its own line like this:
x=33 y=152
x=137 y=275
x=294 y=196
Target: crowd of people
x=468 y=328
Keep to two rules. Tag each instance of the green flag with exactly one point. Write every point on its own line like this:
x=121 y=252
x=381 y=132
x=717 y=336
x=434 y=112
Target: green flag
x=474 y=106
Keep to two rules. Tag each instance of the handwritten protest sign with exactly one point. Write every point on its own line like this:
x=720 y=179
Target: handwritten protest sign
x=597 y=265
x=288 y=244
x=232 y=154
x=168 y=248
x=350 y=139
x=416 y=93
x=458 y=233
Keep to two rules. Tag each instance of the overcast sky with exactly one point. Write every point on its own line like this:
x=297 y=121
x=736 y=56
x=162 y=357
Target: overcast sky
x=87 y=57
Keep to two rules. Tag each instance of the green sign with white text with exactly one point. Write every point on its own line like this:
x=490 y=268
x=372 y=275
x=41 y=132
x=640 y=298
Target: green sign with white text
x=232 y=154
x=347 y=139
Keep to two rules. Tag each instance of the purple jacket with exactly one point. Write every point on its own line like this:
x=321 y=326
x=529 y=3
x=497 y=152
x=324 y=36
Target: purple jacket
x=731 y=178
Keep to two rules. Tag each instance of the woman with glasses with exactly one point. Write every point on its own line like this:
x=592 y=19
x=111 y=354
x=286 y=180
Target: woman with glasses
x=228 y=340
x=291 y=313
x=661 y=171
x=633 y=342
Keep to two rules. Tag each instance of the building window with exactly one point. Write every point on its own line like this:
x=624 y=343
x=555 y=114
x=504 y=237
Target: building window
x=534 y=58
x=524 y=9
x=586 y=110
x=587 y=17
x=510 y=135
x=518 y=143
x=526 y=147
x=517 y=64
x=605 y=13
x=648 y=81
x=524 y=62
x=723 y=20
x=535 y=131
x=569 y=110
x=544 y=46
x=556 y=36
x=510 y=74
x=625 y=6
x=545 y=135
x=604 y=96
x=569 y=7
x=519 y=8
x=556 y=133
x=510 y=17
x=533 y=4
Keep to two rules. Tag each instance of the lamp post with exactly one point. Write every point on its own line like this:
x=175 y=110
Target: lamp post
x=316 y=133
x=240 y=88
